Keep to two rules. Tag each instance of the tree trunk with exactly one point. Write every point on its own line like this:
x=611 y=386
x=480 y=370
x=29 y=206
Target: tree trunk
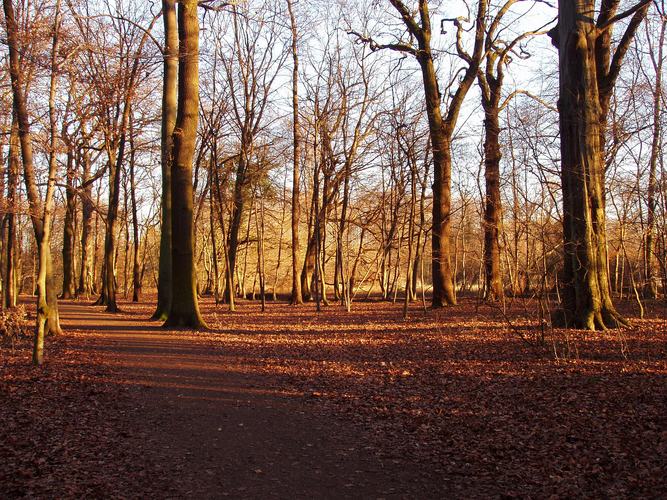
x=237 y=214
x=184 y=308
x=87 y=274
x=69 y=288
x=296 y=297
x=586 y=81
x=444 y=292
x=108 y=295
x=136 y=268
x=12 y=185
x=493 y=287
x=650 y=282
x=169 y=109
x=47 y=320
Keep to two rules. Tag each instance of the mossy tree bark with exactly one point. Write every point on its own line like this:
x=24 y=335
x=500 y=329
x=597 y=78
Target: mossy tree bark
x=184 y=307
x=588 y=70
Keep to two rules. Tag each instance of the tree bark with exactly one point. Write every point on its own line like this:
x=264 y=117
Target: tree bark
x=136 y=268
x=69 y=278
x=12 y=185
x=47 y=320
x=184 y=308
x=441 y=132
x=650 y=282
x=169 y=110
x=587 y=76
x=296 y=297
x=493 y=286
x=87 y=273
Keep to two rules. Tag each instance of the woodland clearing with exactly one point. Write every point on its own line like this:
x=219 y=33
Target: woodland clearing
x=458 y=402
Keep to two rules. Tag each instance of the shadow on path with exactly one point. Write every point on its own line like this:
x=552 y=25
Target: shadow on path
x=230 y=430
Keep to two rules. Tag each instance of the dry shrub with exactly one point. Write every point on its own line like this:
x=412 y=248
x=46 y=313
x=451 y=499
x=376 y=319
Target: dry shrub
x=13 y=323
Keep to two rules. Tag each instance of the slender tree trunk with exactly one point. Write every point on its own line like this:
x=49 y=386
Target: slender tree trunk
x=69 y=279
x=229 y=276
x=214 y=240
x=11 y=261
x=47 y=320
x=280 y=244
x=650 y=282
x=309 y=259
x=184 y=308
x=136 y=268
x=87 y=274
x=126 y=227
x=296 y=297
x=237 y=214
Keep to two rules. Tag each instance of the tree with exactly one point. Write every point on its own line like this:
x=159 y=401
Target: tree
x=498 y=54
x=588 y=69
x=657 y=62
x=441 y=129
x=13 y=169
x=47 y=320
x=296 y=297
x=169 y=110
x=184 y=307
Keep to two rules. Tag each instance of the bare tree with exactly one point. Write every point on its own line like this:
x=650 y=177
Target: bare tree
x=184 y=307
x=588 y=71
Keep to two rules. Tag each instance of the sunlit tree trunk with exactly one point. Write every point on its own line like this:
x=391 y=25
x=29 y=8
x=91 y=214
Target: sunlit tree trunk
x=136 y=268
x=47 y=320
x=441 y=131
x=296 y=297
x=169 y=109
x=10 y=244
x=184 y=308
x=650 y=281
x=587 y=72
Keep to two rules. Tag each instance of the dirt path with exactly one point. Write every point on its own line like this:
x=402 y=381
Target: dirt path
x=226 y=430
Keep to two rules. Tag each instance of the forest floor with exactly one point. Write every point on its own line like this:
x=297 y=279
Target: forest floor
x=462 y=402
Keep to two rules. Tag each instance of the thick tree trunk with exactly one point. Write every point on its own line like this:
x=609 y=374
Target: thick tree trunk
x=444 y=292
x=493 y=288
x=169 y=109
x=586 y=80
x=184 y=308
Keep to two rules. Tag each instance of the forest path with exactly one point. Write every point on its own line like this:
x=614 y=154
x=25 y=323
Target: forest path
x=226 y=429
